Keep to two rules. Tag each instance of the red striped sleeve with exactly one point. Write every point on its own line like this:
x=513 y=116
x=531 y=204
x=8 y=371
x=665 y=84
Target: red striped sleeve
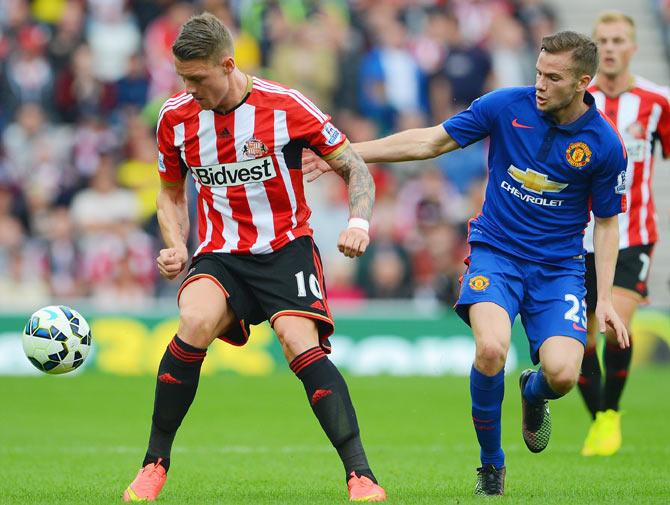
x=623 y=146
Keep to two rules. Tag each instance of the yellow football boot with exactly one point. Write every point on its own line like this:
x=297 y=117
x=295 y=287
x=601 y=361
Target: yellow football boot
x=592 y=440
x=609 y=441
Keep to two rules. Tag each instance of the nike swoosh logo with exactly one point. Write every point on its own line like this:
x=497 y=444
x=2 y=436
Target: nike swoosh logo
x=516 y=124
x=578 y=328
x=52 y=314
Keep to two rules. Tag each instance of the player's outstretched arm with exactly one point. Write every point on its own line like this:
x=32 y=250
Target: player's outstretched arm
x=414 y=144
x=606 y=250
x=355 y=239
x=173 y=221
x=407 y=145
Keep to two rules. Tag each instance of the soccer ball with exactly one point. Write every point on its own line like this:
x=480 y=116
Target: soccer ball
x=56 y=339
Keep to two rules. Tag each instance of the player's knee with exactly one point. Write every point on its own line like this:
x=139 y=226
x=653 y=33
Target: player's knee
x=294 y=343
x=196 y=328
x=490 y=357
x=296 y=335
x=562 y=380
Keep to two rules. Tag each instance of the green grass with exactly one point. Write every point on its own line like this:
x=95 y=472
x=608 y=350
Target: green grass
x=254 y=441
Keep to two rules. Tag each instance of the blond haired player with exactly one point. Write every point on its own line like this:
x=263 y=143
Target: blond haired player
x=641 y=112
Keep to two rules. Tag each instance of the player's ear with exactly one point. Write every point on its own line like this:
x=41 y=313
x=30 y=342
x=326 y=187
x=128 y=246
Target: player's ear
x=583 y=82
x=228 y=63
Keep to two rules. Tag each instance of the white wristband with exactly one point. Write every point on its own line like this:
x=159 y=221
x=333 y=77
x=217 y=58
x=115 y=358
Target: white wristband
x=358 y=222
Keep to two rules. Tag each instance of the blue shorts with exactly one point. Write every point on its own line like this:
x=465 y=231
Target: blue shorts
x=550 y=299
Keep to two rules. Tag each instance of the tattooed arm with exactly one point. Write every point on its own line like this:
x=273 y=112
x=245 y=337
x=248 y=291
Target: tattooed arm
x=350 y=166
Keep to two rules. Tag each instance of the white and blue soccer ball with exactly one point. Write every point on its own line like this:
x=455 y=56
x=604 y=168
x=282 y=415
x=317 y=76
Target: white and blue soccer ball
x=56 y=339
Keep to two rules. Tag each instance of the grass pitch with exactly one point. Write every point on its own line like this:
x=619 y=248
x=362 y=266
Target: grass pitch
x=80 y=440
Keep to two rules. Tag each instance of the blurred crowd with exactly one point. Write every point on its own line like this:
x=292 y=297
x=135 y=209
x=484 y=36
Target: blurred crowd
x=81 y=83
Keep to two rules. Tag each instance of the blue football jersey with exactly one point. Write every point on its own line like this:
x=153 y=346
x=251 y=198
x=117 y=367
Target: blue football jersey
x=543 y=177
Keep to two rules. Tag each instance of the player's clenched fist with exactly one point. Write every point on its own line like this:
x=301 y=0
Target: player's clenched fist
x=172 y=261
x=353 y=242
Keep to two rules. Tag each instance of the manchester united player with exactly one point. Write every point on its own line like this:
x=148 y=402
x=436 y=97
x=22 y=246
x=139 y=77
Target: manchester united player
x=641 y=112
x=551 y=153
x=240 y=139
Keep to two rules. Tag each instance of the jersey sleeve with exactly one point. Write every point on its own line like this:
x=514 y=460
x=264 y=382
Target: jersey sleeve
x=476 y=122
x=169 y=160
x=663 y=129
x=608 y=188
x=307 y=122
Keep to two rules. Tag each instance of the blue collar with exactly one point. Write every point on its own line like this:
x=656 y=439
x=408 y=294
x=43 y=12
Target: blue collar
x=577 y=124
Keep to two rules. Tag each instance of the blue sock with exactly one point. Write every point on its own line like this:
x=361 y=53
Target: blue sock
x=487 y=396
x=537 y=389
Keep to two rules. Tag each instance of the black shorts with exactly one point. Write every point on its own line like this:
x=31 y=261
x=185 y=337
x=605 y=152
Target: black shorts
x=263 y=287
x=632 y=272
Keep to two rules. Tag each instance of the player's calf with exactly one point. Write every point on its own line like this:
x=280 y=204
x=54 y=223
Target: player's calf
x=329 y=398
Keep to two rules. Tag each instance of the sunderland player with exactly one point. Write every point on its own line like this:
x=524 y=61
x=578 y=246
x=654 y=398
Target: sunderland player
x=551 y=154
x=240 y=139
x=641 y=112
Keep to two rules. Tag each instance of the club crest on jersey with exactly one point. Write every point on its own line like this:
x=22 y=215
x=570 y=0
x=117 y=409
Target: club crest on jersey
x=578 y=154
x=479 y=283
x=254 y=148
x=331 y=134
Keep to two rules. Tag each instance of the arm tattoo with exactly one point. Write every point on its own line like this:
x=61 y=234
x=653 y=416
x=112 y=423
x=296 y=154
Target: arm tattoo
x=351 y=167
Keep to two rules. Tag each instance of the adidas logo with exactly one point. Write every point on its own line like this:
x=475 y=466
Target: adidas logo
x=318 y=305
x=168 y=379
x=319 y=394
x=224 y=133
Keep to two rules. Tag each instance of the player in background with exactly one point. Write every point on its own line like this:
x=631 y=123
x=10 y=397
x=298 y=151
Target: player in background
x=551 y=153
x=240 y=139
x=641 y=112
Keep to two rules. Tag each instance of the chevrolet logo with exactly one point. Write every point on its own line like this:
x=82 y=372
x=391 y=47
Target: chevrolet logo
x=535 y=181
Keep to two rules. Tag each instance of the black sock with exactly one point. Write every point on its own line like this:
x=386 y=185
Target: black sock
x=590 y=381
x=176 y=384
x=617 y=365
x=329 y=398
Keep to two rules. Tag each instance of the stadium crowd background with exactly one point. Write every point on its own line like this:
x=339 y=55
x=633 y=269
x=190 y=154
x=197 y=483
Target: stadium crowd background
x=81 y=83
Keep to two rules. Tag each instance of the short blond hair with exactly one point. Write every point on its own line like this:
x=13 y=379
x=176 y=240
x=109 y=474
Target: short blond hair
x=203 y=37
x=606 y=17
x=583 y=50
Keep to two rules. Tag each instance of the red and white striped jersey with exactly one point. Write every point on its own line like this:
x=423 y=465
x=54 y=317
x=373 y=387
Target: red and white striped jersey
x=246 y=165
x=642 y=115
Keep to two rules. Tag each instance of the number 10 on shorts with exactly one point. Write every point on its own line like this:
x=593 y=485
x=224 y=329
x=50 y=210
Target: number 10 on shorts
x=313 y=285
